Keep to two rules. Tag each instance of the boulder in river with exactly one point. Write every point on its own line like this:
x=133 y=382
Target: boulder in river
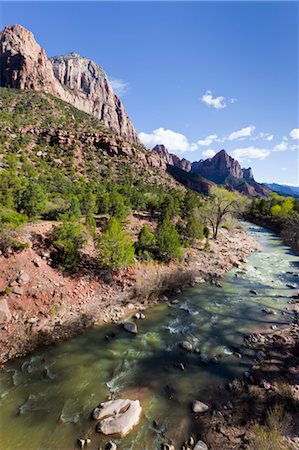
x=253 y=291
x=131 y=327
x=268 y=311
x=291 y=286
x=199 y=407
x=117 y=416
x=200 y=445
x=186 y=346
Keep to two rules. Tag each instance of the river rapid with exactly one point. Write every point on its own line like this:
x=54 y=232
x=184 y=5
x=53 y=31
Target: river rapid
x=46 y=398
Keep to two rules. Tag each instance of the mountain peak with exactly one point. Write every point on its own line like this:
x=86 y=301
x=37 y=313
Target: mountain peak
x=24 y=65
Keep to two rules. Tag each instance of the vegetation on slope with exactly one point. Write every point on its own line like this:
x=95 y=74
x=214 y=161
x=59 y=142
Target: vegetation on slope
x=58 y=164
x=280 y=213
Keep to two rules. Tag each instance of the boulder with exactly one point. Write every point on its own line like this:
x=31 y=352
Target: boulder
x=17 y=290
x=268 y=311
x=5 y=314
x=291 y=286
x=175 y=301
x=117 y=416
x=185 y=345
x=131 y=327
x=200 y=445
x=253 y=291
x=199 y=407
x=23 y=278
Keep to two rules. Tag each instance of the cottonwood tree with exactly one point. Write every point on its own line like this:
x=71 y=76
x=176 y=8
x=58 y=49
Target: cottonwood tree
x=221 y=204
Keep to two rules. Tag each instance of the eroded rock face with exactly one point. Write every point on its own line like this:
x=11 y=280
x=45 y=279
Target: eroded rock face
x=74 y=79
x=219 y=167
x=172 y=159
x=93 y=92
x=117 y=416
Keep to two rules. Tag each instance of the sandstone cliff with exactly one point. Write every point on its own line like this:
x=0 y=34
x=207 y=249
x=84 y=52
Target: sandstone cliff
x=172 y=159
x=74 y=79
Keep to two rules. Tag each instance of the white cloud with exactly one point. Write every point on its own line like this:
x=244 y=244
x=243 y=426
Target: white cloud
x=215 y=102
x=208 y=140
x=120 y=87
x=173 y=141
x=209 y=153
x=283 y=168
x=282 y=147
x=265 y=136
x=248 y=153
x=294 y=133
x=244 y=132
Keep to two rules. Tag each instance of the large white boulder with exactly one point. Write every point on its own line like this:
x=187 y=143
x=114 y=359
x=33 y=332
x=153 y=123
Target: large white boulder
x=117 y=416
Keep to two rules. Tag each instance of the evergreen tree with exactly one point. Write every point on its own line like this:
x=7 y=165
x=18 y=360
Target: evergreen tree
x=168 y=241
x=115 y=247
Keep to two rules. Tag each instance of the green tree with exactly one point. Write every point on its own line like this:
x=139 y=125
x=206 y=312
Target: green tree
x=168 y=241
x=115 y=247
x=33 y=200
x=193 y=228
x=145 y=244
x=117 y=208
x=73 y=212
x=221 y=203
x=68 y=239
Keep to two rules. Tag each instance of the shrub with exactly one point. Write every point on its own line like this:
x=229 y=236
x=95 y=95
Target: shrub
x=168 y=241
x=33 y=200
x=115 y=247
x=12 y=217
x=68 y=239
x=270 y=436
x=145 y=244
x=73 y=212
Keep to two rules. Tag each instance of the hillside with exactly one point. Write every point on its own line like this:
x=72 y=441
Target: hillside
x=47 y=137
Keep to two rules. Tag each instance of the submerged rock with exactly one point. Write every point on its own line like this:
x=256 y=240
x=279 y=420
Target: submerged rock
x=199 y=407
x=117 y=416
x=185 y=345
x=131 y=327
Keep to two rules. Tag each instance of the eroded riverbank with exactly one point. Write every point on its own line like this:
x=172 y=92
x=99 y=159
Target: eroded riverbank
x=43 y=306
x=47 y=398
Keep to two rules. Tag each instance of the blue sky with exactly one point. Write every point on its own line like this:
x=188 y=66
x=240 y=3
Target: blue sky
x=196 y=76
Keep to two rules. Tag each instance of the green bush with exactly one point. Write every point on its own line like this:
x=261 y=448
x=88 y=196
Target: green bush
x=33 y=200
x=12 y=217
x=145 y=245
x=115 y=247
x=168 y=241
x=68 y=239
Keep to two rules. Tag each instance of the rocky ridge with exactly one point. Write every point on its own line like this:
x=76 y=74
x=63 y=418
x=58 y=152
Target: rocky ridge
x=72 y=78
x=221 y=169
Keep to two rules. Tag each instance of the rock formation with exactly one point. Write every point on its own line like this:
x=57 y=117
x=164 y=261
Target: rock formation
x=221 y=169
x=74 y=79
x=172 y=159
x=117 y=416
x=218 y=168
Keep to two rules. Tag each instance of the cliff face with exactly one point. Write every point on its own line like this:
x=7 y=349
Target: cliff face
x=74 y=79
x=172 y=159
x=218 y=168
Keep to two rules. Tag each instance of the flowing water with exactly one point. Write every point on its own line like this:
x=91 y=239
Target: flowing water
x=46 y=398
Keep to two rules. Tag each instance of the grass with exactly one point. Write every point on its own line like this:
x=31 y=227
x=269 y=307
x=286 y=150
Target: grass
x=270 y=435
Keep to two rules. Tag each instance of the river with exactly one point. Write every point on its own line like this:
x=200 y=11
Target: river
x=46 y=398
